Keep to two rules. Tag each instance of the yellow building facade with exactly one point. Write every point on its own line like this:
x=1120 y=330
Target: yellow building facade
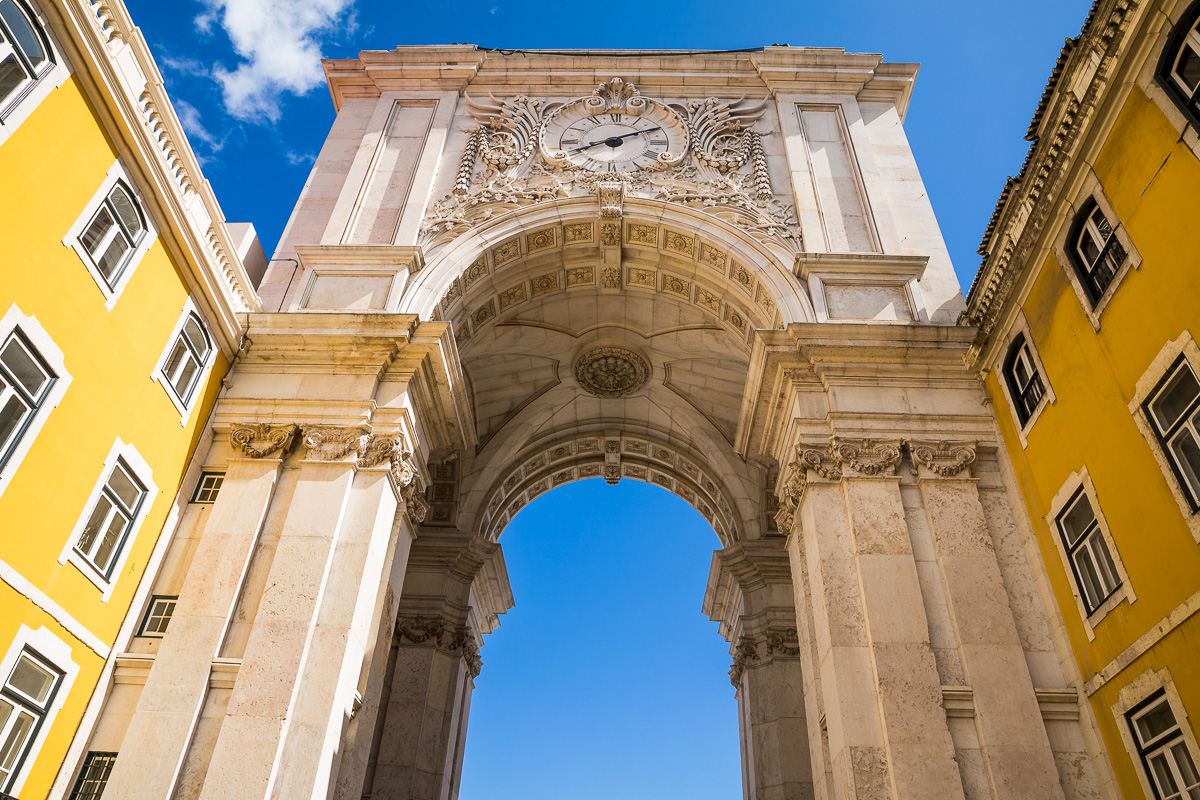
x=120 y=286
x=1088 y=305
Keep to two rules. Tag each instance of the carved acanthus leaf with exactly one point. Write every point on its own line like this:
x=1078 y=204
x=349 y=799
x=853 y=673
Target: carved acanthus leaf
x=419 y=630
x=415 y=504
x=510 y=129
x=380 y=449
x=867 y=456
x=261 y=439
x=744 y=654
x=740 y=200
x=718 y=130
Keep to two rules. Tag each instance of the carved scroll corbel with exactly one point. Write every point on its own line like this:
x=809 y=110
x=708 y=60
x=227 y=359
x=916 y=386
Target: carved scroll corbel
x=261 y=439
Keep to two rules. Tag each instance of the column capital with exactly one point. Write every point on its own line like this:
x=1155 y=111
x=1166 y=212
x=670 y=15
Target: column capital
x=840 y=457
x=262 y=439
x=333 y=442
x=942 y=459
x=756 y=649
x=447 y=638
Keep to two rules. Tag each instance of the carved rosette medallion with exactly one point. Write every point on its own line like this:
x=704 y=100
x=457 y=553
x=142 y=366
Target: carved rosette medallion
x=260 y=440
x=611 y=372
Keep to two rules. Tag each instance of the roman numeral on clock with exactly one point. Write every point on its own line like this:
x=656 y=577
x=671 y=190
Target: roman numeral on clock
x=569 y=141
x=615 y=117
x=659 y=142
x=651 y=154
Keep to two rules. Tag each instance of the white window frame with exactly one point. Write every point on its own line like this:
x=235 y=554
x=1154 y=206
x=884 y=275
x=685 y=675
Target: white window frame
x=43 y=86
x=1132 y=695
x=1020 y=326
x=1183 y=345
x=116 y=173
x=219 y=475
x=1124 y=592
x=58 y=653
x=53 y=357
x=185 y=408
x=1160 y=28
x=1064 y=249
x=173 y=599
x=120 y=451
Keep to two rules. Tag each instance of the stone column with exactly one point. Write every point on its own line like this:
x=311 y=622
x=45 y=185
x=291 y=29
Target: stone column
x=285 y=714
x=750 y=594
x=1012 y=735
x=159 y=733
x=887 y=731
x=454 y=588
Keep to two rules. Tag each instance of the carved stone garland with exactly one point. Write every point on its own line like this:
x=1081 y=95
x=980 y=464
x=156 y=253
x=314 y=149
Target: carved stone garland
x=720 y=140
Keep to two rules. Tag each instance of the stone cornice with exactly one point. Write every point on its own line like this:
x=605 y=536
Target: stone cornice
x=1057 y=131
x=769 y=70
x=120 y=75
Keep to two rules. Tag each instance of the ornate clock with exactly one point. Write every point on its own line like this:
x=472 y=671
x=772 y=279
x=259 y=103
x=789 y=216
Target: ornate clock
x=614 y=130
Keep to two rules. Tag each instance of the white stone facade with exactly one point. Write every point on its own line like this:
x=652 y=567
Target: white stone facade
x=468 y=312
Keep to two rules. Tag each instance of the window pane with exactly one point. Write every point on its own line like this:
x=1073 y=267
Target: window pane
x=1089 y=248
x=1021 y=370
x=1092 y=593
x=95 y=232
x=1187 y=68
x=32 y=680
x=124 y=487
x=1101 y=223
x=12 y=75
x=10 y=751
x=1183 y=760
x=126 y=210
x=183 y=382
x=114 y=256
x=11 y=416
x=24 y=368
x=22 y=30
x=91 y=531
x=1187 y=456
x=196 y=336
x=112 y=537
x=1155 y=722
x=1163 y=775
x=1104 y=564
x=1175 y=399
x=1078 y=519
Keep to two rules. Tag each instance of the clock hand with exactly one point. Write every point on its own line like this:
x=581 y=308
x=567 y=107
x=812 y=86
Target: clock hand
x=617 y=139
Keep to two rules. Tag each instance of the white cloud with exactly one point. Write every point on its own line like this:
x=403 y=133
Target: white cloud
x=194 y=125
x=279 y=41
x=296 y=159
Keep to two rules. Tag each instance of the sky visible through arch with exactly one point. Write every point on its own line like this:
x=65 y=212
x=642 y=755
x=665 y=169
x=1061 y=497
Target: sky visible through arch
x=605 y=681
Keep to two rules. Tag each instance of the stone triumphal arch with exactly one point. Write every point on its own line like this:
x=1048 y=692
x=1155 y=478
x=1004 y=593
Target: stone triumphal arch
x=714 y=272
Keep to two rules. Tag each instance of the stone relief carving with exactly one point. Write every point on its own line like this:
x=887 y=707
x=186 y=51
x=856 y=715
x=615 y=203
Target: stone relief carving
x=332 y=443
x=380 y=449
x=722 y=170
x=415 y=504
x=433 y=630
x=945 y=459
x=259 y=440
x=611 y=371
x=761 y=648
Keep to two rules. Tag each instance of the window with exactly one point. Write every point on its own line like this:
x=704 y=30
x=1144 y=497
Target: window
x=25 y=698
x=1024 y=382
x=1174 y=413
x=1095 y=573
x=24 y=54
x=25 y=381
x=1094 y=250
x=208 y=487
x=111 y=519
x=158 y=615
x=1162 y=749
x=93 y=777
x=113 y=234
x=1179 y=69
x=188 y=355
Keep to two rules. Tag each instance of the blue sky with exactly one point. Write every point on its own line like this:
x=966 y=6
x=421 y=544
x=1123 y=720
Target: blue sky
x=605 y=681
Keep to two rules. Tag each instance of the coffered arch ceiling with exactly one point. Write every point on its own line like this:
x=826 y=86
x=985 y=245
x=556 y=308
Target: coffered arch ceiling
x=571 y=346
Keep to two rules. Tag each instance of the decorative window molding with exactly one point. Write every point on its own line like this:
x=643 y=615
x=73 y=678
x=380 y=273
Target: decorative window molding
x=112 y=234
x=47 y=651
x=1064 y=526
x=183 y=367
x=34 y=336
x=1152 y=86
x=1181 y=350
x=1140 y=695
x=1178 y=71
x=1024 y=412
x=1096 y=269
x=27 y=75
x=125 y=491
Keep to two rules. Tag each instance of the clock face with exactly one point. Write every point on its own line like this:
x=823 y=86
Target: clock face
x=614 y=141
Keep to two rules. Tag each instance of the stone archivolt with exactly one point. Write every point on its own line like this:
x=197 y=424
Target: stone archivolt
x=871 y=457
